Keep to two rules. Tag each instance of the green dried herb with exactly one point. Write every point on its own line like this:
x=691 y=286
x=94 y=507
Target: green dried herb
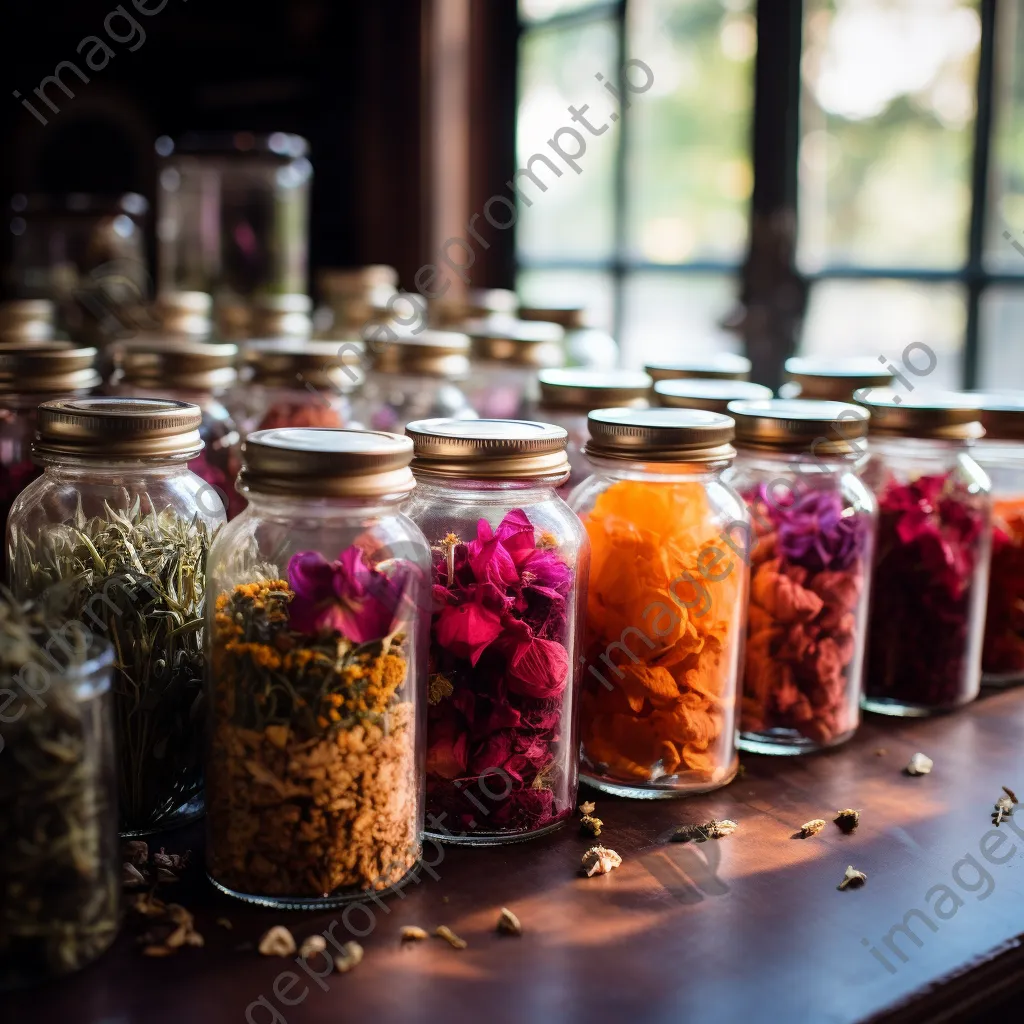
x=59 y=886
x=138 y=580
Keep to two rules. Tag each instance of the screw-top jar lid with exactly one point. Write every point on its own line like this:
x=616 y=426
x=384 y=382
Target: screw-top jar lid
x=569 y=317
x=430 y=353
x=836 y=379
x=489 y=449
x=720 y=365
x=517 y=342
x=1002 y=413
x=26 y=320
x=584 y=390
x=795 y=424
x=291 y=362
x=660 y=435
x=942 y=415
x=53 y=367
x=119 y=428
x=709 y=393
x=355 y=282
x=173 y=363
x=327 y=462
x=284 y=315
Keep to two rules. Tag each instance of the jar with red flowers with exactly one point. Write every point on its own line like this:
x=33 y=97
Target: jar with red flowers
x=930 y=582
x=318 y=612
x=1001 y=454
x=32 y=373
x=810 y=544
x=833 y=380
x=510 y=564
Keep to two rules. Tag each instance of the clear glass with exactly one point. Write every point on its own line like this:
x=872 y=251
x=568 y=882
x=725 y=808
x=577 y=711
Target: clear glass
x=60 y=869
x=388 y=401
x=500 y=390
x=574 y=421
x=236 y=224
x=510 y=564
x=930 y=578
x=17 y=470
x=689 y=172
x=664 y=629
x=317 y=644
x=810 y=551
x=1002 y=655
x=122 y=546
x=591 y=290
x=886 y=124
x=269 y=406
x=1002 y=325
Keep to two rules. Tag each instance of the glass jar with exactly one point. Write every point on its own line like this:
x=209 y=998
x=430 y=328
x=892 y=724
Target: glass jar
x=567 y=396
x=116 y=532
x=510 y=565
x=810 y=549
x=294 y=383
x=713 y=366
x=506 y=355
x=199 y=373
x=414 y=377
x=1001 y=455
x=233 y=213
x=318 y=646
x=30 y=374
x=184 y=316
x=930 y=580
x=26 y=321
x=833 y=380
x=585 y=346
x=60 y=872
x=709 y=393
x=352 y=298
x=665 y=606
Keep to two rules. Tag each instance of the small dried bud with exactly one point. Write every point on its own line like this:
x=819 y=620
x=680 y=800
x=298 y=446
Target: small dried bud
x=847 y=820
x=880 y=752
x=131 y=876
x=700 y=833
x=278 y=941
x=351 y=956
x=136 y=852
x=920 y=764
x=599 y=860
x=312 y=945
x=508 y=923
x=1010 y=793
x=853 y=879
x=588 y=807
x=444 y=932
x=591 y=825
x=812 y=827
x=410 y=933
x=225 y=923
x=157 y=951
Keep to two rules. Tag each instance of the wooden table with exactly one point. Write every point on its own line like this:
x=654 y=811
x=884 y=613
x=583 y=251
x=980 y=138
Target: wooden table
x=748 y=928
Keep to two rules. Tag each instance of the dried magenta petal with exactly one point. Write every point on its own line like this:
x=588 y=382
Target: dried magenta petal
x=1003 y=650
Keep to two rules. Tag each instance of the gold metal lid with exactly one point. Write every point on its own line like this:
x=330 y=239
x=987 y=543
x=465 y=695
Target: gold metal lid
x=941 y=415
x=54 y=367
x=1002 y=414
x=568 y=317
x=293 y=363
x=708 y=393
x=798 y=424
x=233 y=318
x=584 y=390
x=354 y=282
x=176 y=363
x=660 y=435
x=716 y=365
x=185 y=313
x=505 y=339
x=284 y=315
x=430 y=353
x=327 y=462
x=26 y=320
x=118 y=428
x=490 y=449
x=836 y=379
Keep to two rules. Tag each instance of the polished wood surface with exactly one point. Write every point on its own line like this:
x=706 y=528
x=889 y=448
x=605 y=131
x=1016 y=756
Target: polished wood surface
x=748 y=928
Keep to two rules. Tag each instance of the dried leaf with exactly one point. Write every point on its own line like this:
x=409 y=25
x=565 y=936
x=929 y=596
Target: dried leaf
x=591 y=825
x=444 y=932
x=278 y=941
x=1010 y=793
x=508 y=923
x=700 y=833
x=599 y=860
x=853 y=879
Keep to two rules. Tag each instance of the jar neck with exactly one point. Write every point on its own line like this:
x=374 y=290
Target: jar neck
x=461 y=489
x=932 y=449
x=628 y=469
x=803 y=463
x=294 y=506
x=72 y=468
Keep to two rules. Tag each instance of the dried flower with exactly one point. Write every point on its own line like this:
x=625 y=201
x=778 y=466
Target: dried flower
x=508 y=923
x=351 y=956
x=1010 y=793
x=136 y=852
x=225 y=923
x=847 y=820
x=880 y=752
x=812 y=827
x=599 y=860
x=853 y=879
x=444 y=932
x=312 y=945
x=278 y=941
x=412 y=933
x=587 y=807
x=590 y=824
x=920 y=764
x=1004 y=807
x=700 y=833
x=172 y=928
x=132 y=877
x=438 y=688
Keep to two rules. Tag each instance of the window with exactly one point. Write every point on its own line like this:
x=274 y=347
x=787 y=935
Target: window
x=907 y=176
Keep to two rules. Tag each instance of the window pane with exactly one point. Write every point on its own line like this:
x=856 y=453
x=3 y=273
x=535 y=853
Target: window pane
x=1002 y=328
x=881 y=318
x=574 y=217
x=1006 y=201
x=589 y=289
x=887 y=114
x=538 y=10
x=689 y=171
x=676 y=315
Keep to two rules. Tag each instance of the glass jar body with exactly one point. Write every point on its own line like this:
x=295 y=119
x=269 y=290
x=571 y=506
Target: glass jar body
x=1002 y=656
x=574 y=421
x=813 y=525
x=510 y=564
x=388 y=401
x=318 y=624
x=61 y=888
x=664 y=629
x=930 y=580
x=500 y=390
x=17 y=470
x=270 y=406
x=121 y=547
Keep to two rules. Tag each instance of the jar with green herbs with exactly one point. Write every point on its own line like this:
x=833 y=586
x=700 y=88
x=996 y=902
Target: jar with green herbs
x=115 y=534
x=320 y=602
x=59 y=866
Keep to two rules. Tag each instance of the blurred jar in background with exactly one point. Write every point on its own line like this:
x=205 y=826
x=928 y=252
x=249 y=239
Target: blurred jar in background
x=710 y=394
x=506 y=354
x=585 y=346
x=412 y=378
x=184 y=315
x=448 y=313
x=199 y=373
x=352 y=297
x=26 y=321
x=568 y=396
x=716 y=366
x=832 y=380
x=233 y=214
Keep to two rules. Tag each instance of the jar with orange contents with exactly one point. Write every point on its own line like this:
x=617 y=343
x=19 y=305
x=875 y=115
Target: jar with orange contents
x=666 y=603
